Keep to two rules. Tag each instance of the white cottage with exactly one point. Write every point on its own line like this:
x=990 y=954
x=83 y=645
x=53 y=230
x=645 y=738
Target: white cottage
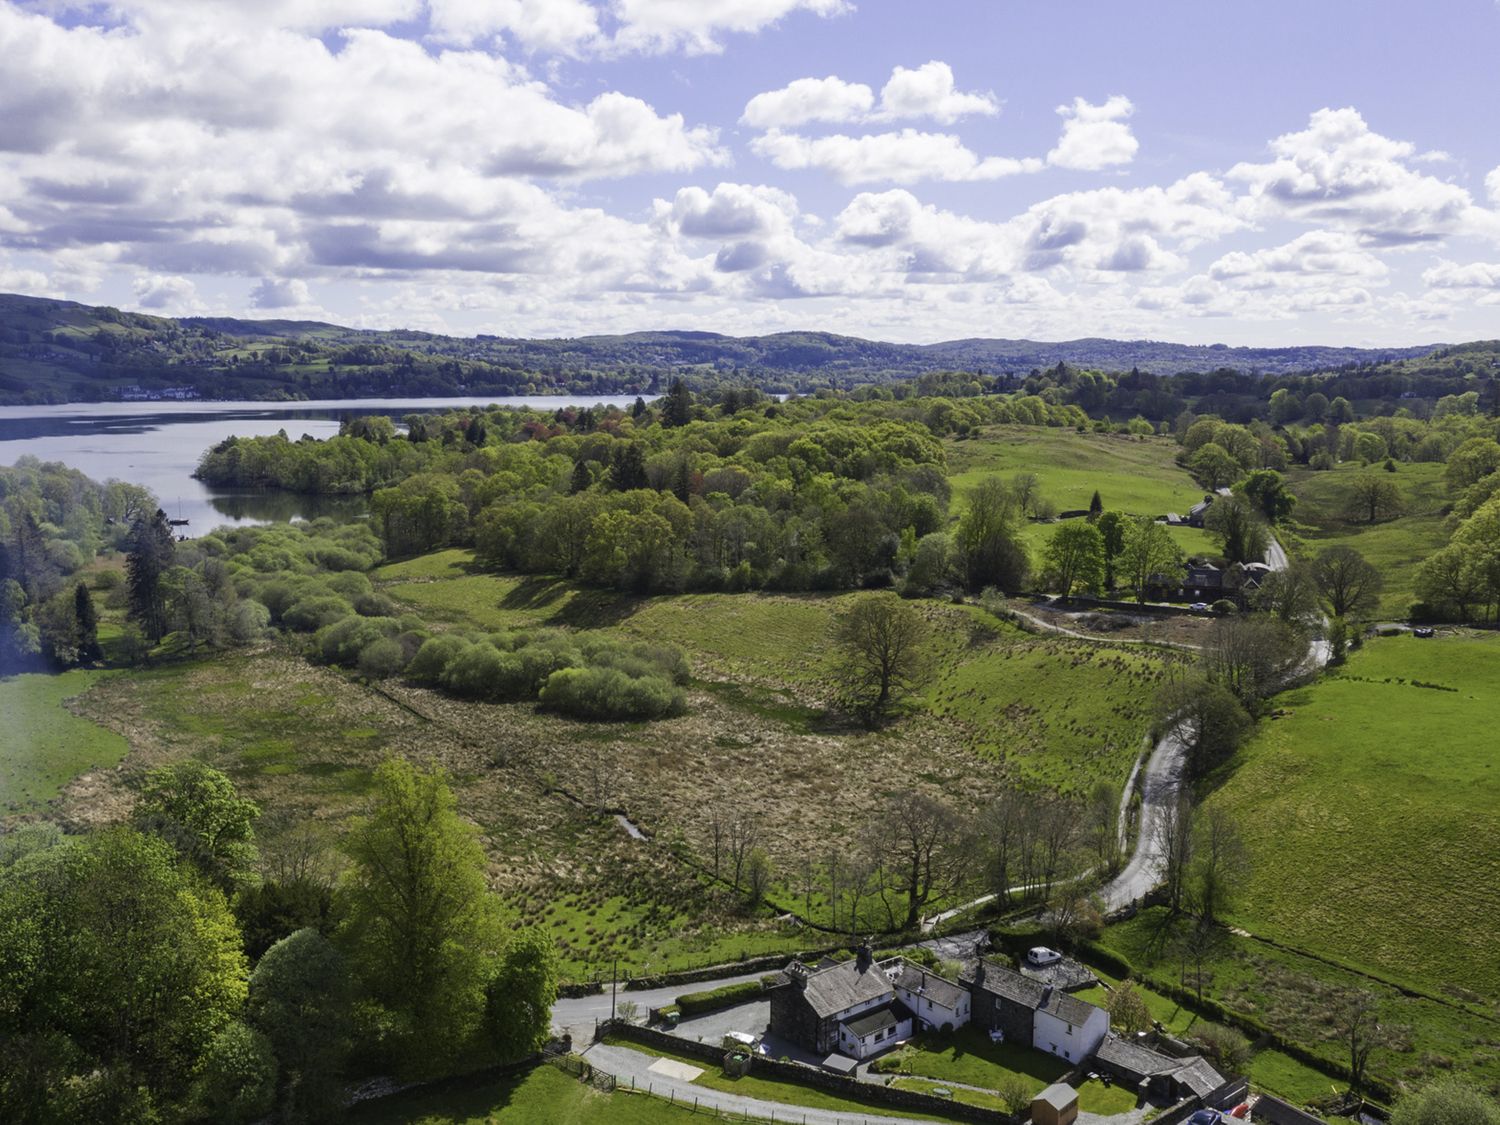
x=1068 y=1027
x=938 y=1003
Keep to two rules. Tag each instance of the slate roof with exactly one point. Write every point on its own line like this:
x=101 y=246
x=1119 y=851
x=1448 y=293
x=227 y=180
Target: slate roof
x=1059 y=1096
x=928 y=984
x=868 y=1023
x=1002 y=980
x=842 y=986
x=1068 y=1008
x=1194 y=1072
x=1199 y=1076
x=1134 y=1057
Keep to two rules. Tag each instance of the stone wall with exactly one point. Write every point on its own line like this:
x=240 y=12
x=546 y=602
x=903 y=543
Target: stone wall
x=874 y=1094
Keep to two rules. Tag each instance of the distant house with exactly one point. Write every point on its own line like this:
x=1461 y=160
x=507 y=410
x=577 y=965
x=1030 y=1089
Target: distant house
x=1028 y=1011
x=861 y=1007
x=1155 y=1073
x=1198 y=513
x=1203 y=582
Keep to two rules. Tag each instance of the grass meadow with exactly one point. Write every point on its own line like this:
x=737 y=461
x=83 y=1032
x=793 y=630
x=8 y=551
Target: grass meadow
x=1398 y=547
x=45 y=744
x=1373 y=815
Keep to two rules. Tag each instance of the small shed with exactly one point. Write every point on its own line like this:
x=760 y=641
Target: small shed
x=1056 y=1105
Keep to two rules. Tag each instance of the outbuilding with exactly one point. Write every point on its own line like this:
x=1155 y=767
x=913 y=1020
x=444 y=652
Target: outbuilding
x=1056 y=1105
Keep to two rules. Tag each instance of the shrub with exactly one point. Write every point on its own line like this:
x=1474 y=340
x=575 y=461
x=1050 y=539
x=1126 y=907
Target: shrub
x=236 y=1077
x=607 y=693
x=697 y=1003
x=433 y=658
x=382 y=658
x=309 y=614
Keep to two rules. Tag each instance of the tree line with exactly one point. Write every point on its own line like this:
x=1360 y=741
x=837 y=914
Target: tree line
x=171 y=970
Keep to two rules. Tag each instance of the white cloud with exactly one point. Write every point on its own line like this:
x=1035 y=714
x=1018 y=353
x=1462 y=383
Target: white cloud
x=809 y=99
x=166 y=294
x=1492 y=185
x=279 y=293
x=1456 y=275
x=903 y=157
x=699 y=26
x=1339 y=173
x=565 y=26
x=928 y=91
x=1095 y=136
x=1316 y=256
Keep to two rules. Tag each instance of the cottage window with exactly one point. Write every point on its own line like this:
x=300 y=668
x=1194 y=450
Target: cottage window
x=1070 y=1029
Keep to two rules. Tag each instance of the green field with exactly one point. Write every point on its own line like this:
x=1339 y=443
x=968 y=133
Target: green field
x=968 y=1056
x=544 y=1096
x=1139 y=476
x=1398 y=547
x=1375 y=829
x=46 y=745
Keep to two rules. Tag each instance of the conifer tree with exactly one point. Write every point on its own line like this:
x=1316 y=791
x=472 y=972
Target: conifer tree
x=151 y=554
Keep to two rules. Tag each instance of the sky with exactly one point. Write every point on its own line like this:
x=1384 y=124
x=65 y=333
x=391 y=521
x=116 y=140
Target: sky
x=1277 y=173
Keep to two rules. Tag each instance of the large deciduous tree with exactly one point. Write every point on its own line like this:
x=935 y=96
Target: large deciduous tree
x=1348 y=583
x=1074 y=559
x=519 y=997
x=1149 y=549
x=196 y=809
x=422 y=929
x=1239 y=527
x=1267 y=490
x=989 y=539
x=1372 y=498
x=880 y=653
x=301 y=999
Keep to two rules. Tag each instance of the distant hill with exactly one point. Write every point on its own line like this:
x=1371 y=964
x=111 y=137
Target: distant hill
x=61 y=351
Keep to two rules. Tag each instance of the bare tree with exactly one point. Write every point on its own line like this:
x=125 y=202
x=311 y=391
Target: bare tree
x=1173 y=840
x=1359 y=1028
x=742 y=836
x=716 y=831
x=1221 y=862
x=757 y=876
x=1056 y=835
x=880 y=658
x=1001 y=827
x=1197 y=947
x=926 y=855
x=1252 y=656
x=1104 y=824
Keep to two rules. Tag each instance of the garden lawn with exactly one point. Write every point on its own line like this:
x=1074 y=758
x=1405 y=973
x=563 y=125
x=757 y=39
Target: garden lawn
x=1375 y=836
x=544 y=1096
x=45 y=744
x=1398 y=547
x=1138 y=476
x=771 y=1090
x=961 y=1094
x=968 y=1056
x=1107 y=1101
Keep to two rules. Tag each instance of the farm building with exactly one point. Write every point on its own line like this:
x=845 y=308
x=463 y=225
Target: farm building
x=862 y=1007
x=1154 y=1073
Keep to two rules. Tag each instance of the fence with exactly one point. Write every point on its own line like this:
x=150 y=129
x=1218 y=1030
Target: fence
x=802 y=1075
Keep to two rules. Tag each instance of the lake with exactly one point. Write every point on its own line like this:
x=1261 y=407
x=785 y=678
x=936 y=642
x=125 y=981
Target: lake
x=157 y=444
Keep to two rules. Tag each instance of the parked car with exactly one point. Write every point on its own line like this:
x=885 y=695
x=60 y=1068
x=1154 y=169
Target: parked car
x=1422 y=631
x=1041 y=955
x=1201 y=607
x=1205 y=1117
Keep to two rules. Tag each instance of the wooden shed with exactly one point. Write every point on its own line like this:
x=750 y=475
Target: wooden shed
x=1056 y=1105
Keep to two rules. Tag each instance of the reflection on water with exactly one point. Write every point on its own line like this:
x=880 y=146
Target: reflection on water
x=280 y=507
x=158 y=445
